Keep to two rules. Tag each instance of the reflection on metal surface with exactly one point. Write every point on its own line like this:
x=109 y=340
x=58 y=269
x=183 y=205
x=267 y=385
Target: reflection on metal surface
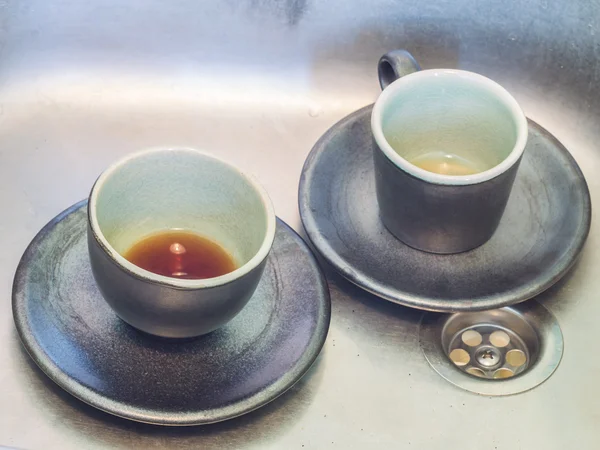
x=523 y=341
x=83 y=83
x=476 y=372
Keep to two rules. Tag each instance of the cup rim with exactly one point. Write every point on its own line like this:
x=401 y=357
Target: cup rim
x=435 y=178
x=180 y=283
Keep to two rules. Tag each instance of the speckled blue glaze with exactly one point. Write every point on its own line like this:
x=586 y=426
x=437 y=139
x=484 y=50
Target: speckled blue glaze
x=81 y=344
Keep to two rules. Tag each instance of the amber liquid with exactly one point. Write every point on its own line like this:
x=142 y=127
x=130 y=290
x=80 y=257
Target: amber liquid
x=447 y=164
x=181 y=254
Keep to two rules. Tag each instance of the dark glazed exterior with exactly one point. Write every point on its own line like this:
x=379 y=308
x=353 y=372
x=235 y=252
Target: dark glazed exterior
x=74 y=336
x=435 y=217
x=395 y=64
x=163 y=310
x=432 y=217
x=540 y=236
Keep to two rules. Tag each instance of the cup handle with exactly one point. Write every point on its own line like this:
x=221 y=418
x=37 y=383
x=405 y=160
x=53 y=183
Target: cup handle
x=394 y=65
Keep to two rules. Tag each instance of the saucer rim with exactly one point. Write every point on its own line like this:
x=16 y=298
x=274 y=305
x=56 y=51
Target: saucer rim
x=424 y=302
x=156 y=417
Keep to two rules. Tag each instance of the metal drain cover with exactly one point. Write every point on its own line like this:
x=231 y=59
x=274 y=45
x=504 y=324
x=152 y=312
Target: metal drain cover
x=496 y=352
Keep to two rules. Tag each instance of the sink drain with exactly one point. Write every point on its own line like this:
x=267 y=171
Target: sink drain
x=490 y=344
x=496 y=352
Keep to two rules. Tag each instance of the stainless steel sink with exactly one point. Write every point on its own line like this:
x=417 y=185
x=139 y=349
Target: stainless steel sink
x=257 y=82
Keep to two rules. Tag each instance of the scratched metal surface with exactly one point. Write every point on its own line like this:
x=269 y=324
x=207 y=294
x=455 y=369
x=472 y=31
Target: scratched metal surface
x=257 y=82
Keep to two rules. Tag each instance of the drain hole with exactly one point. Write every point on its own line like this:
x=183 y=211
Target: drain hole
x=460 y=357
x=503 y=373
x=499 y=339
x=516 y=358
x=471 y=338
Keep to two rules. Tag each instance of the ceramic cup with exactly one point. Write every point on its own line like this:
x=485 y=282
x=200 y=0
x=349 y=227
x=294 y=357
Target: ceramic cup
x=460 y=115
x=163 y=189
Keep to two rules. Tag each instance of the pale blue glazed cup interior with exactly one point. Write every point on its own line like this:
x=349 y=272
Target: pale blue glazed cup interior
x=161 y=190
x=452 y=111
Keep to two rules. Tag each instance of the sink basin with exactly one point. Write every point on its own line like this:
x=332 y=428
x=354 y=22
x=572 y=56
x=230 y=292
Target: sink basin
x=256 y=82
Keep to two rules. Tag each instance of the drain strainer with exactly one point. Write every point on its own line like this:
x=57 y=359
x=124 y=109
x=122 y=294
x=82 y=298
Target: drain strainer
x=496 y=352
x=490 y=349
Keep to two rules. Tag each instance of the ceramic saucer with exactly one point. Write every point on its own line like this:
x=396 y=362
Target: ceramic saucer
x=77 y=340
x=539 y=238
